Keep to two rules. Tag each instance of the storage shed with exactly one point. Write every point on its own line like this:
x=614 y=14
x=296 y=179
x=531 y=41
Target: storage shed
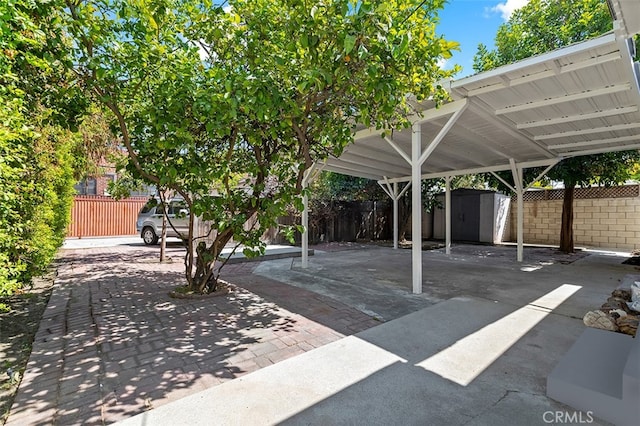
x=476 y=216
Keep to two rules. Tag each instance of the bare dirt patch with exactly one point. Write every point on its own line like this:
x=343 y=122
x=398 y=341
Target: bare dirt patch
x=17 y=330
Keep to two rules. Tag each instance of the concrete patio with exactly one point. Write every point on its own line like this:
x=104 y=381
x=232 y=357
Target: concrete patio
x=112 y=344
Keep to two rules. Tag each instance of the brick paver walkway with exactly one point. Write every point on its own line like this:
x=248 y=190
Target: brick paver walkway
x=112 y=343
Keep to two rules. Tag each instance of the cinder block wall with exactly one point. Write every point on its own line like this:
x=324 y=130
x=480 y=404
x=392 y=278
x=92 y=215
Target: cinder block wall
x=603 y=217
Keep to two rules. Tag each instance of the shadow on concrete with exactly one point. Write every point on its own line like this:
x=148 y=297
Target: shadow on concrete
x=510 y=389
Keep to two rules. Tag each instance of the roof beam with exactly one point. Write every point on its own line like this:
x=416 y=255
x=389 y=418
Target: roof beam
x=603 y=150
x=554 y=70
x=565 y=98
x=579 y=117
x=439 y=112
x=630 y=69
x=420 y=117
x=366 y=133
x=596 y=142
x=383 y=166
x=370 y=172
x=614 y=128
x=367 y=149
x=550 y=56
x=489 y=169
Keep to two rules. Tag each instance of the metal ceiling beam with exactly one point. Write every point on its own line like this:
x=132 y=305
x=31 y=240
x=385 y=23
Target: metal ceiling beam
x=602 y=150
x=439 y=112
x=591 y=131
x=367 y=149
x=553 y=72
x=496 y=168
x=370 y=172
x=366 y=133
x=358 y=160
x=536 y=60
x=565 y=98
x=578 y=117
x=427 y=115
x=595 y=142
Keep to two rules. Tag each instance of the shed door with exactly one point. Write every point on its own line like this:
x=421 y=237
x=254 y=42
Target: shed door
x=465 y=218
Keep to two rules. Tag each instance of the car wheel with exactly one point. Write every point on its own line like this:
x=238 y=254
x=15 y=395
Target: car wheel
x=149 y=236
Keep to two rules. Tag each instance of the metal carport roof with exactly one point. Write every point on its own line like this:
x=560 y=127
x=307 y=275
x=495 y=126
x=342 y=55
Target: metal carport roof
x=579 y=100
x=583 y=99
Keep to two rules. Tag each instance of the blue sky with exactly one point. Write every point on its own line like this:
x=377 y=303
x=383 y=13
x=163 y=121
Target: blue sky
x=470 y=22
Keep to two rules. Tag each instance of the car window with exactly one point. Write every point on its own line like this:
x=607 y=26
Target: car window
x=176 y=206
x=148 y=207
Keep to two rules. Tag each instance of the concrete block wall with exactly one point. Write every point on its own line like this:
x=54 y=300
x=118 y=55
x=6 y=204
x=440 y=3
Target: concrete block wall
x=611 y=223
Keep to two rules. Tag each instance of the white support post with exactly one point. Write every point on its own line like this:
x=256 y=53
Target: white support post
x=520 y=224
x=518 y=180
x=447 y=210
x=395 y=215
x=310 y=174
x=416 y=209
x=305 y=232
x=391 y=189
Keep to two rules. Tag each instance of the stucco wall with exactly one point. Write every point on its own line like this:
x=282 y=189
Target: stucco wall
x=611 y=222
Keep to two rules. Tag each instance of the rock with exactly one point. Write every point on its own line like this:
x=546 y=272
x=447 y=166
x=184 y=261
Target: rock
x=613 y=303
x=615 y=299
x=617 y=313
x=628 y=324
x=599 y=319
x=622 y=294
x=608 y=307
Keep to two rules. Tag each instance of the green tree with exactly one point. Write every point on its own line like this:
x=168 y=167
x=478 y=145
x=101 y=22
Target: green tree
x=338 y=187
x=229 y=108
x=542 y=26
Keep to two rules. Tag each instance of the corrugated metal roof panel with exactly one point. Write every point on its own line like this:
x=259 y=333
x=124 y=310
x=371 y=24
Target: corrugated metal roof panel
x=574 y=101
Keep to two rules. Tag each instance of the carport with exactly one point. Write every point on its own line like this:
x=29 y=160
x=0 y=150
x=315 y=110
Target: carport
x=580 y=100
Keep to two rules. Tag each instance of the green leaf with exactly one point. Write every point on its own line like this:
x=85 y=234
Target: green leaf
x=349 y=43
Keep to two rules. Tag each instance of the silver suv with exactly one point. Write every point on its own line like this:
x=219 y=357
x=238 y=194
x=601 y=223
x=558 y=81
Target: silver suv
x=149 y=223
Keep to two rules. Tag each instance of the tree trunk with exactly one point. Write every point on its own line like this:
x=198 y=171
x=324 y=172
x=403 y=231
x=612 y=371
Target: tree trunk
x=404 y=219
x=203 y=279
x=566 y=227
x=163 y=238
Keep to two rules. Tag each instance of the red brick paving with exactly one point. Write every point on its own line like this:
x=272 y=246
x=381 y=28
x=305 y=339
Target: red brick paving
x=112 y=343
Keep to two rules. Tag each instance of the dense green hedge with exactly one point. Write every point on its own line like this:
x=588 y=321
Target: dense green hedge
x=36 y=192
x=36 y=152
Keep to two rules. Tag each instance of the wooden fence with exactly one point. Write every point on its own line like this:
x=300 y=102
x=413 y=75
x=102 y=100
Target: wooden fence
x=100 y=216
x=343 y=221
